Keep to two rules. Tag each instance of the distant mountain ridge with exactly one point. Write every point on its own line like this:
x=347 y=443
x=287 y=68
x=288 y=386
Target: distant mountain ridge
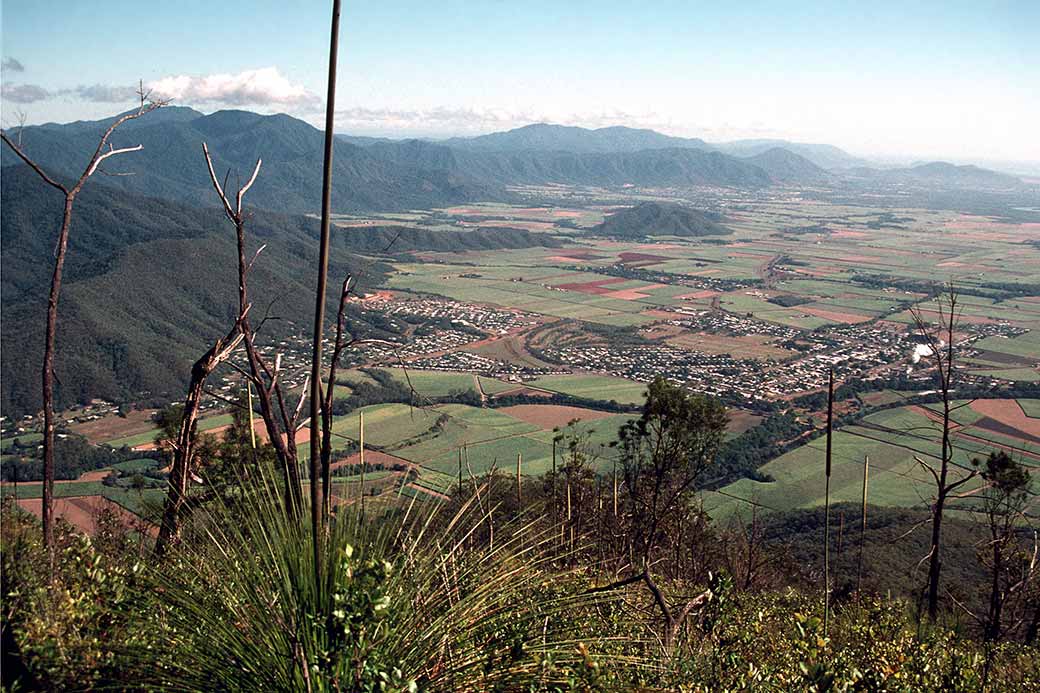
x=941 y=173
x=171 y=163
x=661 y=219
x=548 y=137
x=375 y=174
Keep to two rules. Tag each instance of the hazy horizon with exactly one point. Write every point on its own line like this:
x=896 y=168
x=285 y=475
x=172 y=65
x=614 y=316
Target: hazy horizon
x=890 y=82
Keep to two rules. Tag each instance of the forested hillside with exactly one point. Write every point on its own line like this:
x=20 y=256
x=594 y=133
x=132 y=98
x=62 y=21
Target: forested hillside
x=150 y=284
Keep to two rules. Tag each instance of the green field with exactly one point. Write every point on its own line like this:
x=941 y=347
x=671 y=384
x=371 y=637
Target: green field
x=432 y=437
x=891 y=439
x=207 y=423
x=433 y=384
x=24 y=438
x=1031 y=407
x=594 y=387
x=139 y=465
x=1025 y=345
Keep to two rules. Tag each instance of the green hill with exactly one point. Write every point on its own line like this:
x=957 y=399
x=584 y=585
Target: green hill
x=660 y=219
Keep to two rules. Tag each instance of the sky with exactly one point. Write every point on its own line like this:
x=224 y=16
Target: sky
x=898 y=80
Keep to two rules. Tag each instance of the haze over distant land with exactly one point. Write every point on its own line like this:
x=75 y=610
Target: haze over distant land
x=901 y=83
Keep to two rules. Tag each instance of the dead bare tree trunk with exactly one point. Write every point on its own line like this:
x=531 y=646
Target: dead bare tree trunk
x=47 y=372
x=281 y=425
x=184 y=447
x=944 y=356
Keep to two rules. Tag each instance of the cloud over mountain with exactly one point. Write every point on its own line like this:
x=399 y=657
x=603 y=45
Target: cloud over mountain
x=264 y=86
x=23 y=93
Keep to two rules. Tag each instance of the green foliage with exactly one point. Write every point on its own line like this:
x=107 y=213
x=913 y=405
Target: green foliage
x=72 y=632
x=660 y=219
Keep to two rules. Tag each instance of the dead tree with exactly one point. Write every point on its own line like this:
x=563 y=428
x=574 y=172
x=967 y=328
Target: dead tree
x=281 y=423
x=940 y=341
x=104 y=150
x=326 y=409
x=184 y=446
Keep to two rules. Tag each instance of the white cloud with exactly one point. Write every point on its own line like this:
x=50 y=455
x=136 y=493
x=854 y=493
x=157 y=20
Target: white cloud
x=265 y=86
x=23 y=93
x=11 y=65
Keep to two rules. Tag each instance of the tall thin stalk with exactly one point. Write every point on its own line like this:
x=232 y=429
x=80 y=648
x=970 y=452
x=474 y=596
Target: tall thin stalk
x=863 y=525
x=319 y=297
x=827 y=508
x=519 y=492
x=361 y=447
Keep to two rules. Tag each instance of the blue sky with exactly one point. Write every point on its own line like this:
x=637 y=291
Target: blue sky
x=919 y=79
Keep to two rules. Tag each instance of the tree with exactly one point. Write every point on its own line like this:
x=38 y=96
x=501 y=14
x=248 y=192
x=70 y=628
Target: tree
x=663 y=454
x=47 y=372
x=939 y=340
x=574 y=481
x=1004 y=500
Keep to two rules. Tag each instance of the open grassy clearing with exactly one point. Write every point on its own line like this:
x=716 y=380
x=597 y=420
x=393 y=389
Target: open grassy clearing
x=594 y=387
x=23 y=438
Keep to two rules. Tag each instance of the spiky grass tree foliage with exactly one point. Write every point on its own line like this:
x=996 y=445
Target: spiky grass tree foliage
x=401 y=603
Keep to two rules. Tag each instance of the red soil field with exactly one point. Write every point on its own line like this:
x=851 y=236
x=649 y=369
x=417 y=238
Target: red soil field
x=593 y=287
x=82 y=512
x=629 y=258
x=707 y=293
x=1007 y=411
x=114 y=426
x=550 y=415
x=372 y=457
x=847 y=318
x=740 y=420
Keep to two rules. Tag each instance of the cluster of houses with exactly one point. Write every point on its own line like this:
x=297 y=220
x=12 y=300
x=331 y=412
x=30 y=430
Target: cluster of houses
x=484 y=318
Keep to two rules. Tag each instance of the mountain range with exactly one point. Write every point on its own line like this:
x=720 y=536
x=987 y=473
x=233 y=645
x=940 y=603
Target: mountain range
x=150 y=280
x=372 y=174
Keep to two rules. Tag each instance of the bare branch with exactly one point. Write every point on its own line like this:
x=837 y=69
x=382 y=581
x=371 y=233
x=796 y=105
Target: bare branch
x=216 y=184
x=32 y=164
x=243 y=190
x=110 y=153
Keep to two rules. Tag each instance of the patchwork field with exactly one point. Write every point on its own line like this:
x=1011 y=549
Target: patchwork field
x=892 y=439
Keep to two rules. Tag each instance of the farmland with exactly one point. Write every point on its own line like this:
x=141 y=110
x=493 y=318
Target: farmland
x=758 y=317
x=892 y=439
